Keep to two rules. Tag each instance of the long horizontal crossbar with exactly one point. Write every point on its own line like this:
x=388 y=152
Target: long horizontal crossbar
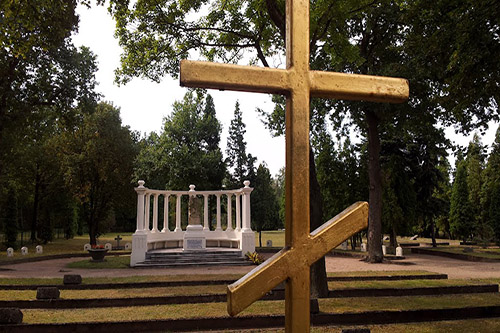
x=280 y=81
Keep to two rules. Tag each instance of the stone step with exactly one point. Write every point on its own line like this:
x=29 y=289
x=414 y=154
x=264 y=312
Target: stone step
x=166 y=258
x=146 y=264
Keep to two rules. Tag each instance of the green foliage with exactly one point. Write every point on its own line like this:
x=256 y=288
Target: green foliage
x=490 y=192
x=187 y=151
x=446 y=49
x=340 y=174
x=238 y=161
x=460 y=212
x=254 y=257
x=265 y=207
x=98 y=164
x=10 y=220
x=475 y=165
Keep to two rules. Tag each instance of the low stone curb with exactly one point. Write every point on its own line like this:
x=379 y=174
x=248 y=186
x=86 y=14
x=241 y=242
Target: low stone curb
x=388 y=277
x=458 y=256
x=220 y=298
x=131 y=285
x=269 y=321
x=56 y=256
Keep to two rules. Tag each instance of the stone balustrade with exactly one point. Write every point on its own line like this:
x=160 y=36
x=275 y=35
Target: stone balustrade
x=156 y=229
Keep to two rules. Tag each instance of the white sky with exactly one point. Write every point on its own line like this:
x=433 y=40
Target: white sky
x=144 y=104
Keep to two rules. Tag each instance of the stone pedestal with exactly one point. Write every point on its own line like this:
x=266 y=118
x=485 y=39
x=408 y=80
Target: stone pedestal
x=194 y=237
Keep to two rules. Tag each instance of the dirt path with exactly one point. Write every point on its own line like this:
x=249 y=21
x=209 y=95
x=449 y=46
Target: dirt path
x=456 y=269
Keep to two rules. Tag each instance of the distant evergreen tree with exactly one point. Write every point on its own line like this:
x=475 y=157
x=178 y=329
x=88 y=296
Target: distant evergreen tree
x=241 y=166
x=461 y=225
x=475 y=166
x=11 y=220
x=491 y=189
x=265 y=206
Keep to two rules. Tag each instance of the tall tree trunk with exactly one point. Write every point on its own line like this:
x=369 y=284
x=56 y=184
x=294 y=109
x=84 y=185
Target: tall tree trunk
x=36 y=203
x=375 y=196
x=394 y=239
x=319 y=283
x=433 y=233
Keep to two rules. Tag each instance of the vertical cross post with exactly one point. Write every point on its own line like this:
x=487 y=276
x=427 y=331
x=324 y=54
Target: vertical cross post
x=298 y=83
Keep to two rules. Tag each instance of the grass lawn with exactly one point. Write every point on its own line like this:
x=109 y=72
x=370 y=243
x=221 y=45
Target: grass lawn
x=338 y=305
x=407 y=283
x=109 y=262
x=63 y=246
x=128 y=279
x=490 y=253
x=221 y=289
x=277 y=237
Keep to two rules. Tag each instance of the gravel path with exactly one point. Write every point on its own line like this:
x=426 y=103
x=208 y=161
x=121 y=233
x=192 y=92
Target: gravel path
x=456 y=269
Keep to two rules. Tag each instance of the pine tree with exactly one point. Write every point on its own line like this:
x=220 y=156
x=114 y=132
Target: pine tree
x=460 y=214
x=490 y=198
x=265 y=206
x=475 y=166
x=238 y=161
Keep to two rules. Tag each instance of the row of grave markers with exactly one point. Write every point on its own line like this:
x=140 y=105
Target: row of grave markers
x=24 y=250
x=107 y=246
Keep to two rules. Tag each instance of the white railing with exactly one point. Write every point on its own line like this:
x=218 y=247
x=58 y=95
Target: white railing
x=148 y=236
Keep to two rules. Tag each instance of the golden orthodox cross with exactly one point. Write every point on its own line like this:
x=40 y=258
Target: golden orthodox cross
x=297 y=82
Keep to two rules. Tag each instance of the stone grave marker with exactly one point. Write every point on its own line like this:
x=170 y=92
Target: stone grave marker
x=24 y=250
x=399 y=251
x=10 y=316
x=118 y=239
x=386 y=238
x=363 y=247
x=10 y=252
x=343 y=246
x=128 y=246
x=108 y=246
x=269 y=243
x=87 y=247
x=47 y=293
x=72 y=279
x=384 y=250
x=39 y=249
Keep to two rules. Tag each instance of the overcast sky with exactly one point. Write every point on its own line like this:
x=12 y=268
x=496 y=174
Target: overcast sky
x=144 y=104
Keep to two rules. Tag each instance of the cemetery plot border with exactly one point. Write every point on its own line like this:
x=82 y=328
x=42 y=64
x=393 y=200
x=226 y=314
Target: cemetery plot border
x=275 y=294
x=264 y=321
x=126 y=285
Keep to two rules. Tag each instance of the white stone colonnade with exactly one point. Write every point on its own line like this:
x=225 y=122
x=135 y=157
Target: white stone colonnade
x=148 y=236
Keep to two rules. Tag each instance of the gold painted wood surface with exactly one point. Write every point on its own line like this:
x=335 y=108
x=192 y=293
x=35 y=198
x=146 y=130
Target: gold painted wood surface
x=203 y=74
x=289 y=262
x=298 y=83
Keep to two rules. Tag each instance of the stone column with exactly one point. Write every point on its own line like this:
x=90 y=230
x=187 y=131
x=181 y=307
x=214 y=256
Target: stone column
x=219 y=228
x=146 y=215
x=178 y=214
x=229 y=213
x=165 y=213
x=155 y=213
x=140 y=206
x=205 y=213
x=238 y=212
x=140 y=237
x=247 y=235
